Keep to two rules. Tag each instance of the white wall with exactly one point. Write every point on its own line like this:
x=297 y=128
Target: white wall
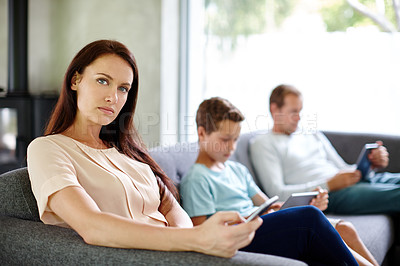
x=58 y=29
x=3 y=43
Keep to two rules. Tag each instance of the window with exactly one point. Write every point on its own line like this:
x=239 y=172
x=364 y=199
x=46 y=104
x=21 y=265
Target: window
x=8 y=135
x=345 y=66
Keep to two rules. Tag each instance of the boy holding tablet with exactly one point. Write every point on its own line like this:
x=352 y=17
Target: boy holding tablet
x=215 y=183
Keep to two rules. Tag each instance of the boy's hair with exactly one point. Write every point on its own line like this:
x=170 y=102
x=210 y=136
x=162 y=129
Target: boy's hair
x=280 y=92
x=214 y=110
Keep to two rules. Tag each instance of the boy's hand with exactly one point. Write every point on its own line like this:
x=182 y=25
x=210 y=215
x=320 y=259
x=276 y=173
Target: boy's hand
x=274 y=207
x=321 y=200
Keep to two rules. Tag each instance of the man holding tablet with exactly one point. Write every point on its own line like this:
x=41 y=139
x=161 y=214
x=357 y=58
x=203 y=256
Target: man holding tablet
x=287 y=161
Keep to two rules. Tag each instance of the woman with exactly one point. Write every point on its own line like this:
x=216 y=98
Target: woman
x=92 y=173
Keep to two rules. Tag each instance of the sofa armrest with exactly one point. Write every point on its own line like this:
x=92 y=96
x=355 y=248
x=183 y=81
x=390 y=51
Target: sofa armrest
x=29 y=242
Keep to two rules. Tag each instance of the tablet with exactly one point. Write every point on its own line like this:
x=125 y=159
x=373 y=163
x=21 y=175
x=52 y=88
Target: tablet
x=299 y=199
x=363 y=163
x=262 y=208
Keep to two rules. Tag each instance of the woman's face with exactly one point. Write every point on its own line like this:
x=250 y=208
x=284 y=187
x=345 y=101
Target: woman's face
x=102 y=90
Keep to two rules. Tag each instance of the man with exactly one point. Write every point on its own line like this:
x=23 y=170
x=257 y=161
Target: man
x=286 y=161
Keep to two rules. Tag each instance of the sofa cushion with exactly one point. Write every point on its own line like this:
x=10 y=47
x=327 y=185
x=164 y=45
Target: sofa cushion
x=16 y=197
x=376 y=231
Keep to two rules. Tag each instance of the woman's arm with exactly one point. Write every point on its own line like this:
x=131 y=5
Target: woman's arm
x=176 y=216
x=199 y=219
x=171 y=209
x=214 y=237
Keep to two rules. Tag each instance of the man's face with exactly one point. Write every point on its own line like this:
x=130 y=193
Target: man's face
x=286 y=118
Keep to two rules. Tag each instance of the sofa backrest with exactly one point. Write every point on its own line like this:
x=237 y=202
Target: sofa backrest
x=17 y=200
x=16 y=197
x=176 y=160
x=349 y=145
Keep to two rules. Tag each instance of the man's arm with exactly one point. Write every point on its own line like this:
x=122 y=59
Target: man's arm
x=343 y=179
x=268 y=165
x=331 y=152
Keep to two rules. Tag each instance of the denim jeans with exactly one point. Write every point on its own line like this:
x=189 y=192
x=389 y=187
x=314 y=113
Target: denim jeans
x=301 y=233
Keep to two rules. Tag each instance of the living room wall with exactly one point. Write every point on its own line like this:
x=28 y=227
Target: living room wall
x=3 y=44
x=58 y=29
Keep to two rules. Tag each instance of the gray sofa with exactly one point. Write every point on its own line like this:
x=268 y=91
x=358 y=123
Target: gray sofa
x=377 y=231
x=26 y=240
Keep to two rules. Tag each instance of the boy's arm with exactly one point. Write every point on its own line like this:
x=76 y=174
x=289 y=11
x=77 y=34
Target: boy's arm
x=259 y=198
x=196 y=195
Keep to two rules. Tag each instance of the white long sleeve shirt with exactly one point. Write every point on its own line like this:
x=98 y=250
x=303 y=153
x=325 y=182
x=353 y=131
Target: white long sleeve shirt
x=295 y=163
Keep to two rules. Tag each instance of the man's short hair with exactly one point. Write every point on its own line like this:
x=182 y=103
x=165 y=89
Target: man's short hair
x=280 y=92
x=214 y=110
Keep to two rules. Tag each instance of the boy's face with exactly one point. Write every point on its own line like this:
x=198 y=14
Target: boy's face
x=220 y=145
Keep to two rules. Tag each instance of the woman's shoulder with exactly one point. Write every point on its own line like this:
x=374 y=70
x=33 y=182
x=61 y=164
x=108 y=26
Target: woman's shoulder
x=49 y=138
x=50 y=141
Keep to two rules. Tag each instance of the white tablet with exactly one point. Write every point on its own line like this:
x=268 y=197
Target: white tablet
x=299 y=199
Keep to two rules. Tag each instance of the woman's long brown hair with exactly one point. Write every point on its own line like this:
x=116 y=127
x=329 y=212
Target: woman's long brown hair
x=121 y=133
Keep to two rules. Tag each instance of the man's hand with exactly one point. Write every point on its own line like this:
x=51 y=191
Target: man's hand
x=379 y=157
x=321 y=200
x=344 y=179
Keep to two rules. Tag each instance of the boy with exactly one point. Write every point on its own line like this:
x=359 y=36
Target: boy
x=216 y=184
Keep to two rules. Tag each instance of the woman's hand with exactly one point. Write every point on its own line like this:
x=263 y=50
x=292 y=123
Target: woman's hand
x=218 y=238
x=321 y=200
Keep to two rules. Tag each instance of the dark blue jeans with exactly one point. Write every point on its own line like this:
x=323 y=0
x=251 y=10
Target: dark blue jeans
x=379 y=194
x=301 y=233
